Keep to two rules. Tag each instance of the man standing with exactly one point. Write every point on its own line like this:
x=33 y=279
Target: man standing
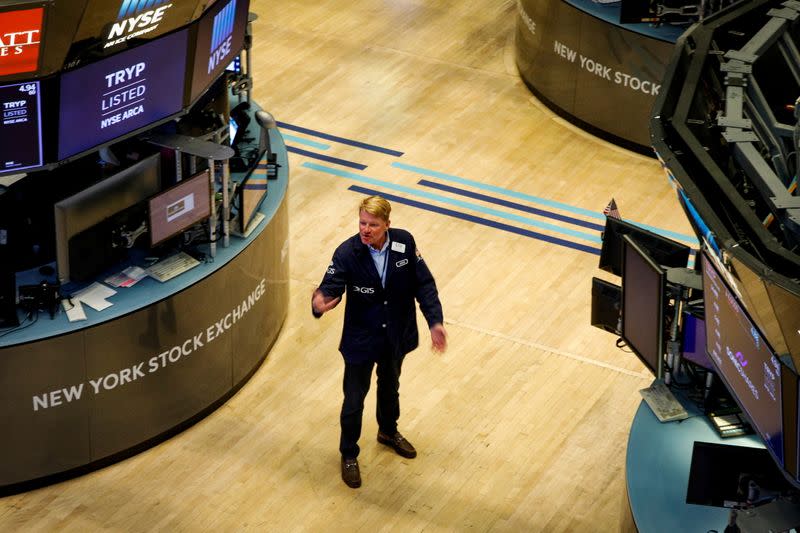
x=383 y=273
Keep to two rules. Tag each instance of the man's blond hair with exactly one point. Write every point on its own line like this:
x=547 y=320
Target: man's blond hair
x=376 y=206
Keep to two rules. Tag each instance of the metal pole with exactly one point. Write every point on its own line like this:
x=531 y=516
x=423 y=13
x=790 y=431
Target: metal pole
x=212 y=221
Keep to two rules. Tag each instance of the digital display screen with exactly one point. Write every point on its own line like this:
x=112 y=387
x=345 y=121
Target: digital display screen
x=179 y=207
x=21 y=127
x=742 y=357
x=111 y=26
x=220 y=37
x=120 y=94
x=20 y=40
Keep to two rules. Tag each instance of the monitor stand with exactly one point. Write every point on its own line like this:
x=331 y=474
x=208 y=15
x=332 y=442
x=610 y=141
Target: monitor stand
x=8 y=300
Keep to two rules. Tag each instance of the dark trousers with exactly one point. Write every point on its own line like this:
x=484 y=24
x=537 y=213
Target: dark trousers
x=357 y=377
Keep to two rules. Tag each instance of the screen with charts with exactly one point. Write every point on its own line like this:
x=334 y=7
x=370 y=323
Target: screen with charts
x=742 y=357
x=115 y=96
x=179 y=207
x=21 y=127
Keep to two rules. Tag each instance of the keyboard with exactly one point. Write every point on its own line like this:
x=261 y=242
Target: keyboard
x=663 y=403
x=169 y=267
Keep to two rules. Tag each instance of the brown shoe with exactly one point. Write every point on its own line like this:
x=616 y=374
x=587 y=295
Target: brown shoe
x=350 y=473
x=399 y=443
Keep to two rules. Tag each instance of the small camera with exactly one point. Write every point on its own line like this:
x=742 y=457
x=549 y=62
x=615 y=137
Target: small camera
x=41 y=297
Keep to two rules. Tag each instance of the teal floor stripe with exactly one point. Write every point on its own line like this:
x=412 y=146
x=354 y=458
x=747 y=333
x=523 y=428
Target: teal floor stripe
x=536 y=199
x=307 y=142
x=591 y=237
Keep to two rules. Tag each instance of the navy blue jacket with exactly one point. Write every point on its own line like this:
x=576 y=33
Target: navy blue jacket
x=373 y=313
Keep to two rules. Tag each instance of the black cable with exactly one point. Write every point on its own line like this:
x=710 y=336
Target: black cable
x=21 y=327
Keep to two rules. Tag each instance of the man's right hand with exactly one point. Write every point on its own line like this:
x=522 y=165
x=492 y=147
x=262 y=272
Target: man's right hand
x=321 y=304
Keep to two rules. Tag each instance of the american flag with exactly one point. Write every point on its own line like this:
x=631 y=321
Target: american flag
x=611 y=210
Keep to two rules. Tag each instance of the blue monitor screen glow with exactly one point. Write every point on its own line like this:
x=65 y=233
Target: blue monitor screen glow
x=21 y=127
x=742 y=357
x=121 y=94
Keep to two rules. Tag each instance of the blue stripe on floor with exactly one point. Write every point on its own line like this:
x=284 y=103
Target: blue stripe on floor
x=326 y=158
x=591 y=237
x=529 y=198
x=512 y=205
x=341 y=140
x=478 y=220
x=307 y=142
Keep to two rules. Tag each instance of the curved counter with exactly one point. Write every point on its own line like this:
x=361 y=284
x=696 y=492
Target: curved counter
x=77 y=396
x=599 y=74
x=657 y=468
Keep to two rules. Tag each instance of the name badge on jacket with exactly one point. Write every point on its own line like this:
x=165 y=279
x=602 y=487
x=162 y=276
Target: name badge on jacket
x=398 y=247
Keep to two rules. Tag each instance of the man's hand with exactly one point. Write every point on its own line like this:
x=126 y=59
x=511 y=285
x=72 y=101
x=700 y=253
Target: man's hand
x=438 y=338
x=321 y=304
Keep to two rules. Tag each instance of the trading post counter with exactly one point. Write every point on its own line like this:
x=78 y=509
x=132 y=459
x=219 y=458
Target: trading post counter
x=579 y=60
x=658 y=471
x=78 y=396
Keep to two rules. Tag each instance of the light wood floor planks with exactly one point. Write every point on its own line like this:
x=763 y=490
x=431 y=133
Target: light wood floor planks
x=522 y=425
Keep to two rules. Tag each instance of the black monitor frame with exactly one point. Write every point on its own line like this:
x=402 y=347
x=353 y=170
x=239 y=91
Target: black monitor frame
x=757 y=424
x=653 y=355
x=243 y=218
x=202 y=176
x=664 y=251
x=99 y=202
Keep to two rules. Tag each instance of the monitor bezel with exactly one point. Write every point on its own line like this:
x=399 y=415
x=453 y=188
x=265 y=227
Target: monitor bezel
x=183 y=183
x=614 y=265
x=708 y=259
x=662 y=275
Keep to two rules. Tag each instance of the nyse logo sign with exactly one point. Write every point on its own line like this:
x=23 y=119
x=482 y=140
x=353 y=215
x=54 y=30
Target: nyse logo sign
x=20 y=36
x=221 y=35
x=136 y=18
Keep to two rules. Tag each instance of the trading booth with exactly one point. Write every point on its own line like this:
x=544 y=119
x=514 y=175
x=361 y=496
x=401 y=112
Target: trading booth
x=715 y=445
x=143 y=226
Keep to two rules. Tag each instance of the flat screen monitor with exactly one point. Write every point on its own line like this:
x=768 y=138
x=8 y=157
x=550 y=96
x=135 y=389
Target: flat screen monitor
x=749 y=276
x=606 y=301
x=21 y=127
x=644 y=285
x=79 y=212
x=220 y=37
x=638 y=11
x=742 y=357
x=174 y=210
x=664 y=251
x=785 y=297
x=121 y=94
x=693 y=341
x=251 y=193
x=21 y=29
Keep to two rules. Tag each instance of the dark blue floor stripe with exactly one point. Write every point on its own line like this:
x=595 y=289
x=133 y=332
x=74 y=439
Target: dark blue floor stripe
x=512 y=205
x=478 y=220
x=329 y=159
x=342 y=140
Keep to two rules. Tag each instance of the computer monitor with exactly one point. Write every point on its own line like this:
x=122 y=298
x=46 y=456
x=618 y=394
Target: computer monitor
x=606 y=301
x=220 y=38
x=21 y=127
x=644 y=285
x=742 y=357
x=250 y=195
x=664 y=251
x=638 y=11
x=693 y=341
x=97 y=203
x=121 y=94
x=174 y=210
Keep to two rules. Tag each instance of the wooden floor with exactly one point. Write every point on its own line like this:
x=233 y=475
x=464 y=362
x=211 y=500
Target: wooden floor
x=522 y=424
